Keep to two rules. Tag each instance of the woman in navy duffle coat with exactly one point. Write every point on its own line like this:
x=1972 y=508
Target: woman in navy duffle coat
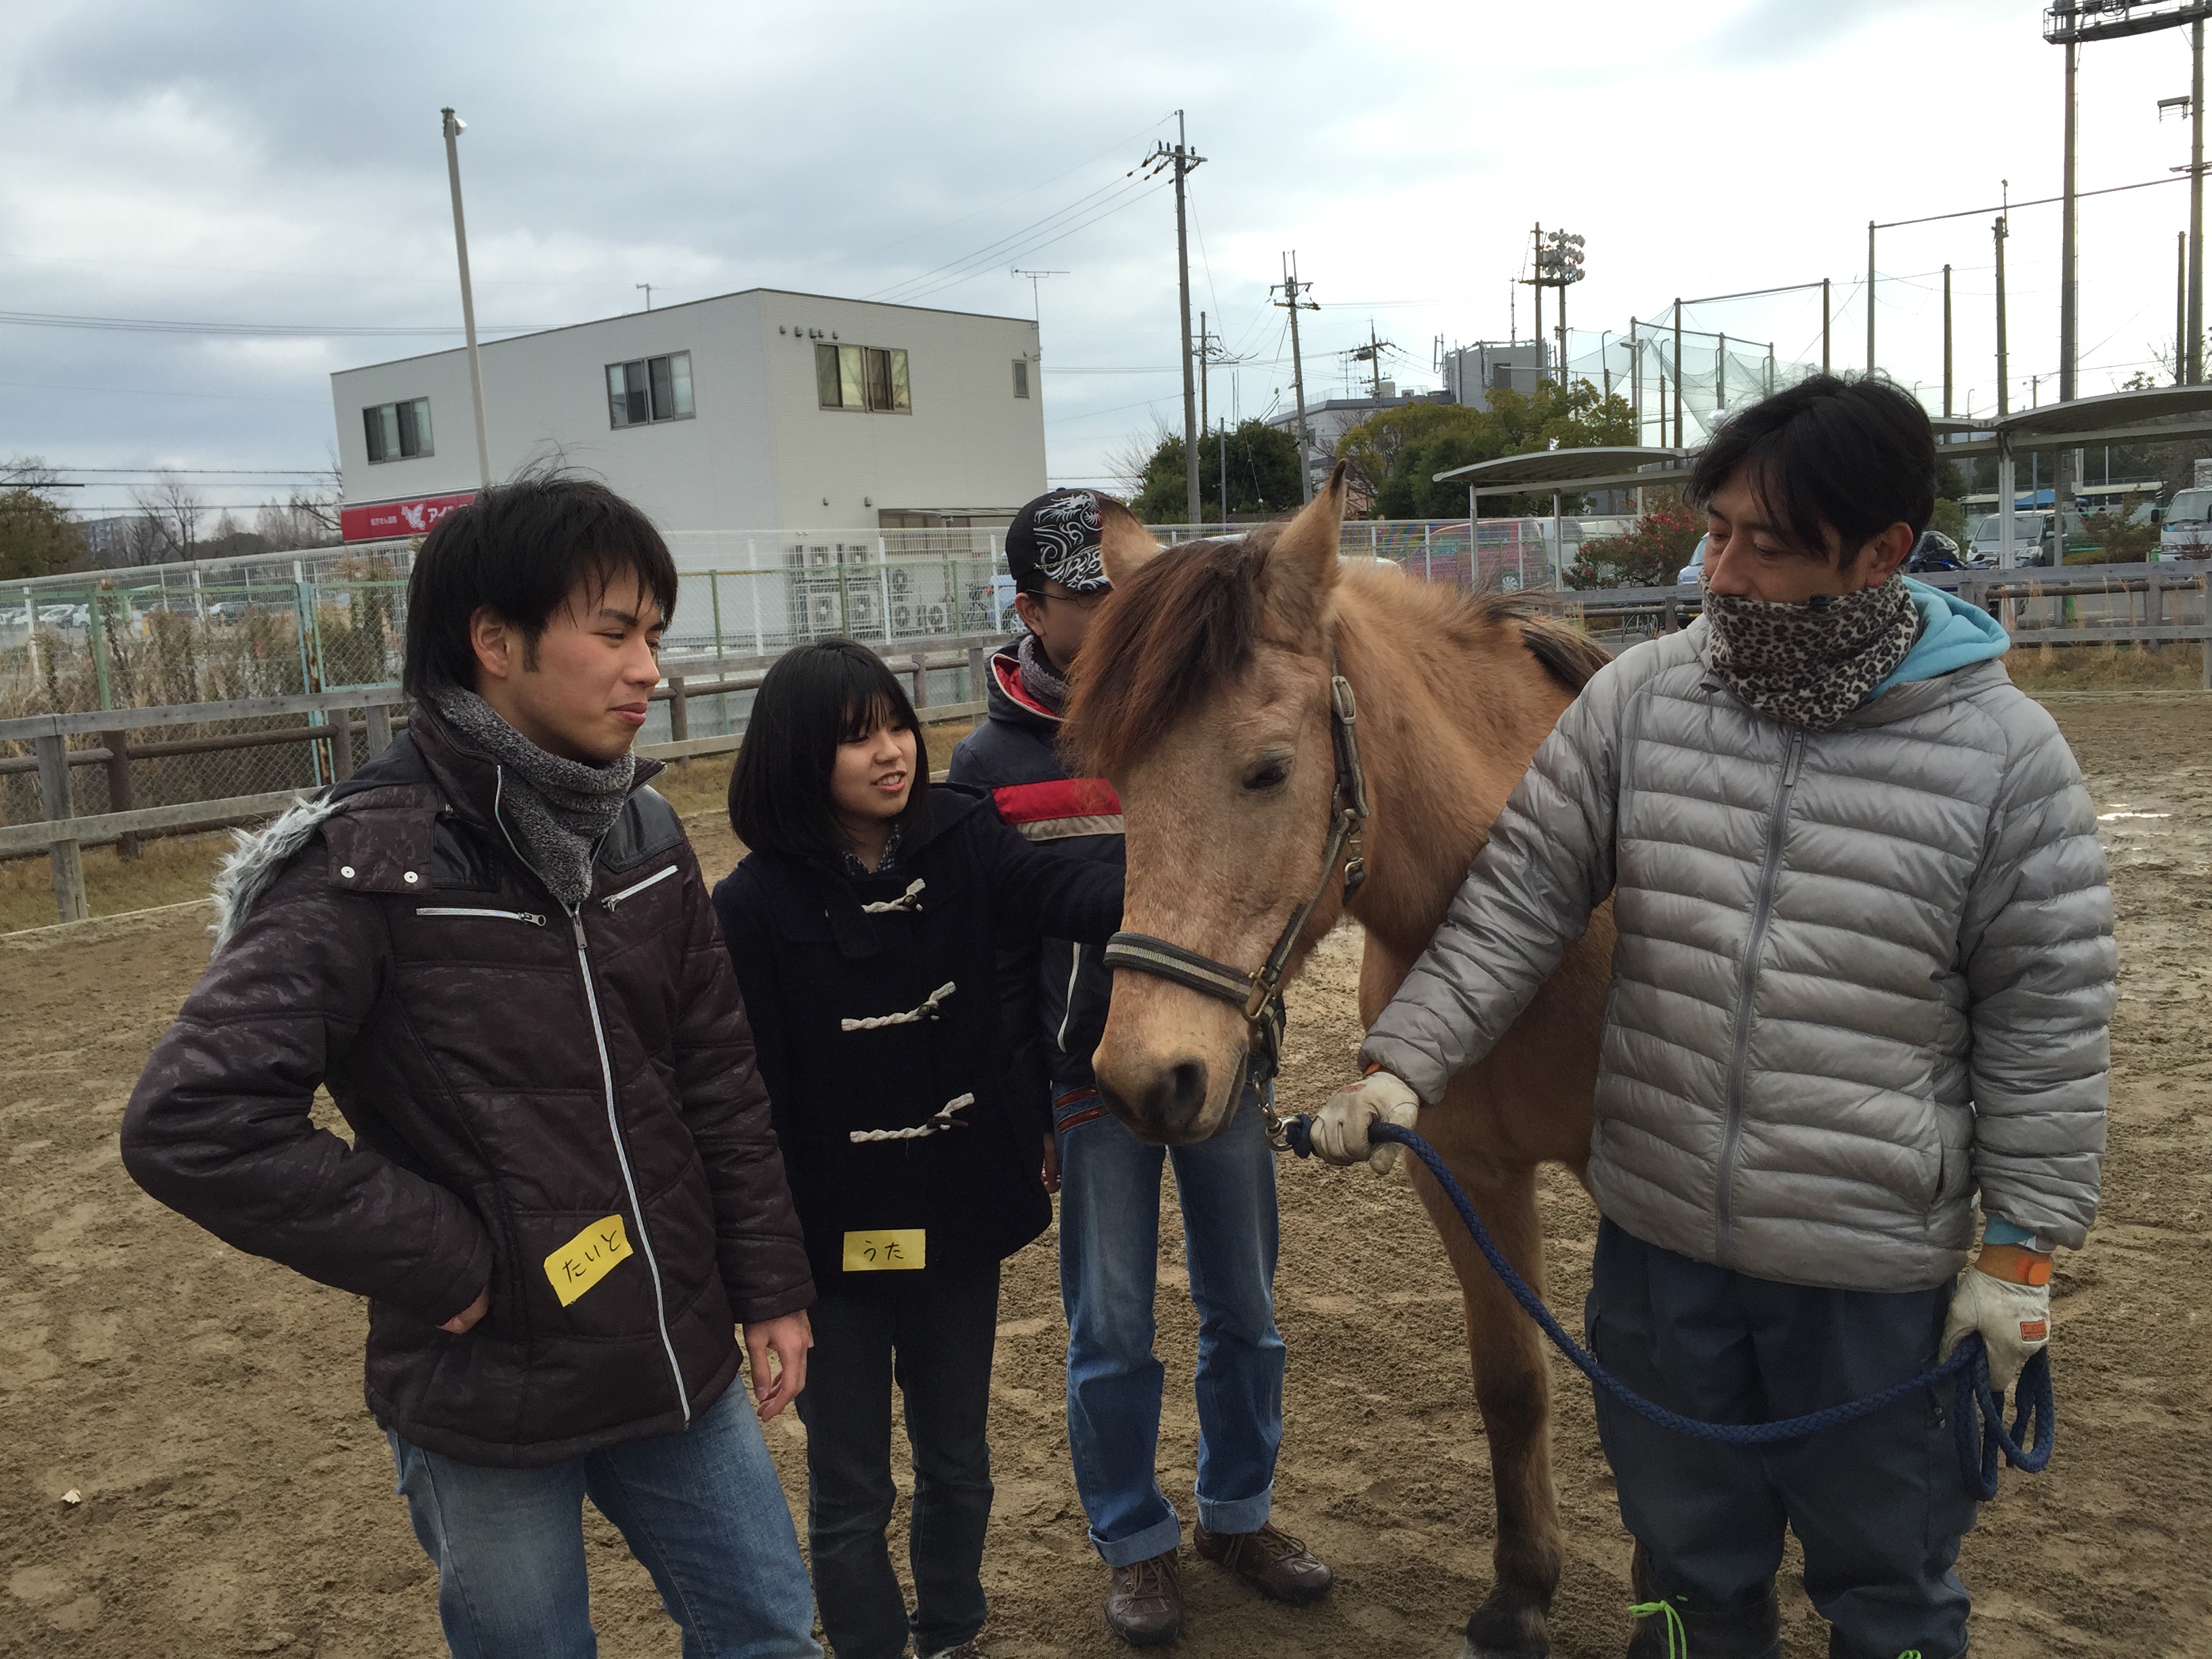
x=865 y=924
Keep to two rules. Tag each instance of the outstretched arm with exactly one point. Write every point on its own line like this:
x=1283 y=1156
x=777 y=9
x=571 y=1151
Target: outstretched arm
x=1528 y=894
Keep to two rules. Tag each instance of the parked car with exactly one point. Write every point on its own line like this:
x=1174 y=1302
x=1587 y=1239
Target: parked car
x=2034 y=538
x=1692 y=574
x=2187 y=530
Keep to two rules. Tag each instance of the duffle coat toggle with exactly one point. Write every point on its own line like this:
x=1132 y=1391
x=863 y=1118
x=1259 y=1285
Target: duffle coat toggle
x=944 y=1120
x=909 y=902
x=926 y=1009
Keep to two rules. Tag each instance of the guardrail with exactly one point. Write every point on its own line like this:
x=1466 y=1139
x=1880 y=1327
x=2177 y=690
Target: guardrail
x=61 y=834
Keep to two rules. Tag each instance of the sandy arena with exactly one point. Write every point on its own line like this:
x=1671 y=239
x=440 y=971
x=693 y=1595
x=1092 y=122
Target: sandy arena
x=236 y=1499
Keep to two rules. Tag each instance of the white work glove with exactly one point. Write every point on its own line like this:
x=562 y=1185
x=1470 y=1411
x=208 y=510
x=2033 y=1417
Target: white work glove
x=1340 y=1131
x=2013 y=1319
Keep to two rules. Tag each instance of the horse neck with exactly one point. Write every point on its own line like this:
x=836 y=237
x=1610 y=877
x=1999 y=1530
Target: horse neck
x=1451 y=706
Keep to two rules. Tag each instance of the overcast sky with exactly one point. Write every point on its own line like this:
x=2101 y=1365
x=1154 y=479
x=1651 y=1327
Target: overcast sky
x=281 y=164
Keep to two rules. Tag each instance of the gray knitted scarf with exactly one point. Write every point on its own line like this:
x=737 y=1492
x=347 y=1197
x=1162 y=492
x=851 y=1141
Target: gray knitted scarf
x=1039 y=678
x=1810 y=665
x=559 y=810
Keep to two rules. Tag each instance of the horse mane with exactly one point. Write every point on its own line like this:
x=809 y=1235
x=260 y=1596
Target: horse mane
x=1188 y=621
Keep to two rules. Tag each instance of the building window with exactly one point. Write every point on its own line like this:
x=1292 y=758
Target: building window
x=650 y=389
x=397 y=432
x=862 y=377
x=1021 y=377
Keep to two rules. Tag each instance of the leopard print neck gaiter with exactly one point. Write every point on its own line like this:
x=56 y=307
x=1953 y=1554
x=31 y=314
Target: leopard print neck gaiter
x=1809 y=665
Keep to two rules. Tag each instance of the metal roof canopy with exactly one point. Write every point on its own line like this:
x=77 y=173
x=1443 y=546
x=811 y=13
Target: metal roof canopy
x=2114 y=417
x=1568 y=471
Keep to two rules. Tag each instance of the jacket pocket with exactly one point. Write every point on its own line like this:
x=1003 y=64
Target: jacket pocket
x=509 y=1316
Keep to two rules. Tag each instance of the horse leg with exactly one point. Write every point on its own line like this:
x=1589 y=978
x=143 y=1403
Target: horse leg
x=1513 y=1387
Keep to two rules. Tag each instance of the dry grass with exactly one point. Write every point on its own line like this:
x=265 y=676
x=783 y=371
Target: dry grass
x=166 y=872
x=2041 y=668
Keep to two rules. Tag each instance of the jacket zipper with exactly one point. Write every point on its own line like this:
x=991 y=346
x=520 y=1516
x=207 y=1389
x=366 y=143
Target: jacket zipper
x=1762 y=914
x=575 y=914
x=613 y=899
x=529 y=916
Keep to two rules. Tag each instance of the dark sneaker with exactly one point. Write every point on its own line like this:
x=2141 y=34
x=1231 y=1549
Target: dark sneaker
x=1271 y=1561
x=1144 y=1602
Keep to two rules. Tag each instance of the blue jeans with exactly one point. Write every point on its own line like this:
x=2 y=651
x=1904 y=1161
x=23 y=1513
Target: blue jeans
x=1110 y=1227
x=934 y=1332
x=1878 y=1504
x=702 y=1510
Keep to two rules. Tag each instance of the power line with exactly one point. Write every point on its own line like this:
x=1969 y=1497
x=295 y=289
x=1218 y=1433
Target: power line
x=2040 y=201
x=243 y=331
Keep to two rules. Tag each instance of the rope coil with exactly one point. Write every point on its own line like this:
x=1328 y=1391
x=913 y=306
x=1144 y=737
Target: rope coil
x=1977 y=1419
x=927 y=1009
x=942 y=1121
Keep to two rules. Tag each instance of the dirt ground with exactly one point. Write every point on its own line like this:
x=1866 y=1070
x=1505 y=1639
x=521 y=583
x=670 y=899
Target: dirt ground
x=236 y=1499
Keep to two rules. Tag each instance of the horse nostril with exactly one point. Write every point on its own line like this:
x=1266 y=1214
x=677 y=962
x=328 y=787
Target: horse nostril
x=1177 y=1096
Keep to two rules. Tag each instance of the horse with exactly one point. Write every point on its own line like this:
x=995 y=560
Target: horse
x=1205 y=695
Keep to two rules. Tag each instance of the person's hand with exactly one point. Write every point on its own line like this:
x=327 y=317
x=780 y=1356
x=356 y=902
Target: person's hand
x=1051 y=1163
x=459 y=1323
x=788 y=1337
x=2013 y=1318
x=1340 y=1132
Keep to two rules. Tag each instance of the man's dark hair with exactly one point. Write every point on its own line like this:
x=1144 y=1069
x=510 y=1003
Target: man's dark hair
x=520 y=550
x=1854 y=456
x=816 y=697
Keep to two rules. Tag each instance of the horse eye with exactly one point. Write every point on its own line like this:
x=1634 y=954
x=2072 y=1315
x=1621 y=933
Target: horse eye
x=1268 y=774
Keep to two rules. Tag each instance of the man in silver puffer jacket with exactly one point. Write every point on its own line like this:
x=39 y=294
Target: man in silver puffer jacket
x=1864 y=973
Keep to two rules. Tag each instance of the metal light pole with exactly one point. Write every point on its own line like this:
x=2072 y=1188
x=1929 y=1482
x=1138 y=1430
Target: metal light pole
x=1947 y=342
x=2196 y=203
x=1869 y=296
x=2000 y=230
x=454 y=127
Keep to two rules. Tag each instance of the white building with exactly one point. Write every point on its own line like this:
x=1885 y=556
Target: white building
x=756 y=411
x=828 y=466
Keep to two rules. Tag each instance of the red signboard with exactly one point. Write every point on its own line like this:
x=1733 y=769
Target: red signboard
x=384 y=519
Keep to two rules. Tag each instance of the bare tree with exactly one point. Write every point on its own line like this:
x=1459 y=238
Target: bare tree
x=172 y=510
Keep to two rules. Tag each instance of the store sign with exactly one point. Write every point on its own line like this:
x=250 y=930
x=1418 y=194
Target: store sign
x=385 y=520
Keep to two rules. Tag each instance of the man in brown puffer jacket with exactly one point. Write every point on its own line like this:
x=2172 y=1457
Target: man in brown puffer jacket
x=493 y=946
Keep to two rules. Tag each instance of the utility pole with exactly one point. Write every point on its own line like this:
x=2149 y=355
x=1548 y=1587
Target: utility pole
x=1371 y=353
x=1294 y=302
x=2002 y=230
x=1720 y=376
x=1824 y=325
x=1635 y=378
x=1946 y=343
x=1182 y=159
x=2006 y=491
x=1536 y=282
x=454 y=127
x=1869 y=296
x=2180 y=308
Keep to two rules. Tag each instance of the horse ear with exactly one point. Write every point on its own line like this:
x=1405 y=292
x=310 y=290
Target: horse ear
x=1124 y=545
x=1301 y=566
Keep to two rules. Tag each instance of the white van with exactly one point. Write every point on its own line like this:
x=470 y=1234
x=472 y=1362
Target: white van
x=2187 y=531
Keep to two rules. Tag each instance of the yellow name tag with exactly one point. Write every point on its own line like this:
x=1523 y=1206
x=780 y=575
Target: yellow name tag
x=588 y=1258
x=900 y=1250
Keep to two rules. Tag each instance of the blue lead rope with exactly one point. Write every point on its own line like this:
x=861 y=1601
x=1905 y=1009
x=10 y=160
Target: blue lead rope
x=1967 y=1369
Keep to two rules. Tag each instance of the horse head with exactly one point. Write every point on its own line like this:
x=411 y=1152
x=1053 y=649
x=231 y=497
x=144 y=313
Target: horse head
x=1203 y=694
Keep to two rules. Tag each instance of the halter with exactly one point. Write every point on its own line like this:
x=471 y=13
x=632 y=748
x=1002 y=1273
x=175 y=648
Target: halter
x=1259 y=995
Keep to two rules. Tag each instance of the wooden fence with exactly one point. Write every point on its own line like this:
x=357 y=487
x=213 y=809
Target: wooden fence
x=61 y=834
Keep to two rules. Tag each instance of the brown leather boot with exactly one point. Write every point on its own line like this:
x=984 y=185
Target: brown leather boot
x=1271 y=1561
x=1144 y=1602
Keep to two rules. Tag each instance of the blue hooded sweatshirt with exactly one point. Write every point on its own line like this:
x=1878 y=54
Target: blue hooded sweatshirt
x=1952 y=635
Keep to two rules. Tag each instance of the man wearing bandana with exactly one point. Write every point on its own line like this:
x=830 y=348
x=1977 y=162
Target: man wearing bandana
x=1861 y=990
x=1109 y=1181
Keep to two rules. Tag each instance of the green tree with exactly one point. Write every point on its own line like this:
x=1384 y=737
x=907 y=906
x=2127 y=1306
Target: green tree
x=1396 y=453
x=37 y=536
x=1263 y=476
x=1651 y=555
